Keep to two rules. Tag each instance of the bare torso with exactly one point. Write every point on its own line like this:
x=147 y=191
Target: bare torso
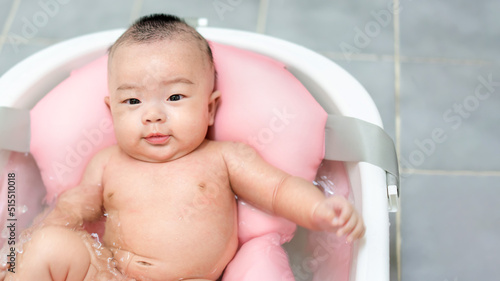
x=176 y=219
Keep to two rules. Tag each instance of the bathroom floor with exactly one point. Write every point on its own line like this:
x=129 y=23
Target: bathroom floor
x=432 y=68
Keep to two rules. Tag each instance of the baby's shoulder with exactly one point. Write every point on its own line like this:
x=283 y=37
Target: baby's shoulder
x=232 y=150
x=97 y=164
x=104 y=155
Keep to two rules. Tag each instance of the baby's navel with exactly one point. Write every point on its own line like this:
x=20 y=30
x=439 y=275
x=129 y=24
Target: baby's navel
x=144 y=263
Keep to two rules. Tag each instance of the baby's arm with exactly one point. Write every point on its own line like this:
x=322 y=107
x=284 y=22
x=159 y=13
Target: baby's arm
x=84 y=202
x=272 y=190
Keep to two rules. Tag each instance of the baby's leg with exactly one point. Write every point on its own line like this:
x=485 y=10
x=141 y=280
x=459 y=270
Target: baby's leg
x=53 y=253
x=56 y=254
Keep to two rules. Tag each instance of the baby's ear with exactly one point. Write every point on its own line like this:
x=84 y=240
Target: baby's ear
x=212 y=106
x=106 y=101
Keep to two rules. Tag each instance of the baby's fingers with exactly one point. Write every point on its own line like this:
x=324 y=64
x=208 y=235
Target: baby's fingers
x=344 y=212
x=328 y=215
x=354 y=229
x=358 y=231
x=348 y=226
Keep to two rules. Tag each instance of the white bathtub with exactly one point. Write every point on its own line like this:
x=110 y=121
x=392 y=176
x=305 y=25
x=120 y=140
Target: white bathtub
x=336 y=90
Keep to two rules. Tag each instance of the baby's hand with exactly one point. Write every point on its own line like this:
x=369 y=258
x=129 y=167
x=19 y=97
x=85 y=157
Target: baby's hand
x=336 y=214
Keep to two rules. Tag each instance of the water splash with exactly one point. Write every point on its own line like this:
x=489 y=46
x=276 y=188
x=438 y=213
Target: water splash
x=3 y=255
x=22 y=209
x=326 y=185
x=24 y=237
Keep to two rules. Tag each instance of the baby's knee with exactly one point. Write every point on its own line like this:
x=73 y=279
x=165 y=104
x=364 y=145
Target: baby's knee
x=56 y=241
x=57 y=251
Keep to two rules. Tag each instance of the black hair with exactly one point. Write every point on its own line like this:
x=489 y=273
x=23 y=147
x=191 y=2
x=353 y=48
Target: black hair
x=158 y=27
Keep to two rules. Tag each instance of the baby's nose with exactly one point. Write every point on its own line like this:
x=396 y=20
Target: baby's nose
x=154 y=115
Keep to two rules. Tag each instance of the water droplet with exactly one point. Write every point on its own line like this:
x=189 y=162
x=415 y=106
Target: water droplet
x=23 y=209
x=111 y=263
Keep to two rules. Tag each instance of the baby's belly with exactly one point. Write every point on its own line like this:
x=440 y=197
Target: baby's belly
x=172 y=240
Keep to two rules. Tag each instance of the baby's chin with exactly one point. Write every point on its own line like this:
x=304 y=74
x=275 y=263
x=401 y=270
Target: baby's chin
x=155 y=156
x=160 y=153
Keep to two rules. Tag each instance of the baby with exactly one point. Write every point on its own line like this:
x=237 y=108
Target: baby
x=162 y=100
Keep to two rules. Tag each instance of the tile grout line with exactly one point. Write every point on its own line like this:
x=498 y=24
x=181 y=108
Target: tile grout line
x=410 y=172
x=397 y=91
x=406 y=59
x=357 y=57
x=442 y=60
x=262 y=16
x=8 y=22
x=37 y=41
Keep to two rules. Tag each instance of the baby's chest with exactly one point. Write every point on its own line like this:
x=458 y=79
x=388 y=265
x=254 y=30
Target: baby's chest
x=138 y=186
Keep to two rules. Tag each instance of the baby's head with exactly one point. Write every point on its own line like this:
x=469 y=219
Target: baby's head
x=161 y=80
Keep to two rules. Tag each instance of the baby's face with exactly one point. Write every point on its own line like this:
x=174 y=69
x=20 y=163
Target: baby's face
x=161 y=98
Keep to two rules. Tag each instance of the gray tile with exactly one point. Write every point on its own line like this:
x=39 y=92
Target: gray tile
x=341 y=26
x=379 y=86
x=228 y=14
x=66 y=19
x=5 y=6
x=458 y=29
x=450 y=228
x=444 y=124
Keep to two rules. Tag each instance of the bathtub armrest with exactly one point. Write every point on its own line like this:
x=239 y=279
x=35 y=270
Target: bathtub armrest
x=15 y=129
x=355 y=140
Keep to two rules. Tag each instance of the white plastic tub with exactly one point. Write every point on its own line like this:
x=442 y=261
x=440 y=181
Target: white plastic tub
x=336 y=90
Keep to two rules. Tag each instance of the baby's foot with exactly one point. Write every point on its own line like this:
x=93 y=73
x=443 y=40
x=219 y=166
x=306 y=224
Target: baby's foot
x=4 y=265
x=3 y=271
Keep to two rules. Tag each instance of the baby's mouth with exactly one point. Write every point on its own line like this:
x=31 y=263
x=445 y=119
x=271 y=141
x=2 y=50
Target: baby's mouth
x=157 y=138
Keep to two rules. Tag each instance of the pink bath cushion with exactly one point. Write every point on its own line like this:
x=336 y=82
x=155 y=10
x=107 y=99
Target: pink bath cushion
x=261 y=258
x=262 y=104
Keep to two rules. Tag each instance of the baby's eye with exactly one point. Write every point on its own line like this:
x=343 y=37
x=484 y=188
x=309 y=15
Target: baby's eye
x=175 y=97
x=132 y=101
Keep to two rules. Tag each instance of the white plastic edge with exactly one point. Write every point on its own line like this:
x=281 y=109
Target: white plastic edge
x=23 y=84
